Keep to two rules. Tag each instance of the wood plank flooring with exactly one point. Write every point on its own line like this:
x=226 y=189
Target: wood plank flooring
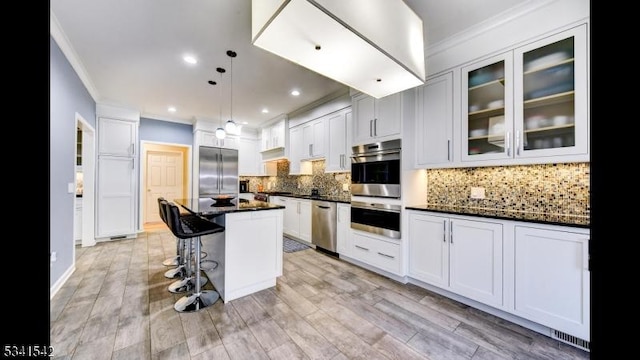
x=116 y=306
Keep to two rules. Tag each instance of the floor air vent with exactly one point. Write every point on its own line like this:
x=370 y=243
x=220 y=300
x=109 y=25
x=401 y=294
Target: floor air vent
x=570 y=339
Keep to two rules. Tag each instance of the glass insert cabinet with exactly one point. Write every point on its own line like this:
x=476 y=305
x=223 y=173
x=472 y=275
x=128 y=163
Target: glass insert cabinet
x=528 y=102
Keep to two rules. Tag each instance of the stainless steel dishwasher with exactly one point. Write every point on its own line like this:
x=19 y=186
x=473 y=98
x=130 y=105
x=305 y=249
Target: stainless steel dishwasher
x=323 y=224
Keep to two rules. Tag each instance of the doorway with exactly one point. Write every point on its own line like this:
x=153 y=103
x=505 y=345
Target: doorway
x=165 y=173
x=85 y=164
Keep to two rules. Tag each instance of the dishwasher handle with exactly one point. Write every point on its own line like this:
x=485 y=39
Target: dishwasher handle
x=323 y=207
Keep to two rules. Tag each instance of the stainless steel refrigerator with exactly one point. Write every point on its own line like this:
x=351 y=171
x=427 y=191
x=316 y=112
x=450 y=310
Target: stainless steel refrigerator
x=218 y=172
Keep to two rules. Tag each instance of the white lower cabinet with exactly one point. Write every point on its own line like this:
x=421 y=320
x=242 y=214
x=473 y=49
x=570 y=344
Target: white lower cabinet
x=462 y=256
x=538 y=272
x=382 y=254
x=343 y=231
x=297 y=218
x=552 y=279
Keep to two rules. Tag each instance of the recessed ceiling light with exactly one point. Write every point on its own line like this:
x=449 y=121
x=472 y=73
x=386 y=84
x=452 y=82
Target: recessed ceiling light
x=190 y=59
x=265 y=111
x=295 y=92
x=171 y=109
x=244 y=123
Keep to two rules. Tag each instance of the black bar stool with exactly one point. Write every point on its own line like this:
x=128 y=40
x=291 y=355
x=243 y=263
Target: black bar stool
x=183 y=271
x=188 y=228
x=179 y=258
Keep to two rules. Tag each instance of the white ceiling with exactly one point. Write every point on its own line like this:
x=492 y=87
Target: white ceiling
x=131 y=53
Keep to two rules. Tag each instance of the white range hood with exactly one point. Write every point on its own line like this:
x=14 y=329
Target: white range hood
x=373 y=46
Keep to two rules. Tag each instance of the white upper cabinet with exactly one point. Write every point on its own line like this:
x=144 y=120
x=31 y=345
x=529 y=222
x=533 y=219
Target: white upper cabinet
x=210 y=139
x=434 y=123
x=273 y=136
x=117 y=137
x=339 y=140
x=313 y=139
x=551 y=107
x=376 y=119
x=528 y=105
x=295 y=152
x=487 y=109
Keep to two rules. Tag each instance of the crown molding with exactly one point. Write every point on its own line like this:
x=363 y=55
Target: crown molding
x=65 y=45
x=150 y=116
x=498 y=20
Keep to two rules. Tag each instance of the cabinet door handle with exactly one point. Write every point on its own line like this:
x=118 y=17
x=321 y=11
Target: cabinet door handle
x=310 y=149
x=508 y=143
x=451 y=231
x=363 y=248
x=444 y=231
x=375 y=127
x=387 y=256
x=518 y=142
x=448 y=150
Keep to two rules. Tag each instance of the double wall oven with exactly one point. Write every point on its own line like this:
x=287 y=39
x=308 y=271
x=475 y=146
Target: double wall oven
x=375 y=169
x=375 y=173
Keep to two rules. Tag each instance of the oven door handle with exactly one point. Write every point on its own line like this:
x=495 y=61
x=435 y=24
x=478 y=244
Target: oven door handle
x=375 y=208
x=371 y=154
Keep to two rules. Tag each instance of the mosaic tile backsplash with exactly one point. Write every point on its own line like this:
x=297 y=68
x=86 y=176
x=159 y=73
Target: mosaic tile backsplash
x=327 y=183
x=561 y=189
x=545 y=188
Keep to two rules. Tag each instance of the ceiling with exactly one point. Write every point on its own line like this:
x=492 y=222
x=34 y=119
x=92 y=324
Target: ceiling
x=131 y=54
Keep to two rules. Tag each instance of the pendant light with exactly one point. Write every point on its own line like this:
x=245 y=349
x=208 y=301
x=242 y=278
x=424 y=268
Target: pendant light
x=220 y=133
x=230 y=125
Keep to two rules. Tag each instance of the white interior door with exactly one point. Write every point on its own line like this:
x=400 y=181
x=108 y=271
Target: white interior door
x=164 y=175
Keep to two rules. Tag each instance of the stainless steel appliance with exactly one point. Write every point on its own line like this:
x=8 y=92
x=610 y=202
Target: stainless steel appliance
x=218 y=173
x=244 y=186
x=323 y=224
x=375 y=169
x=381 y=219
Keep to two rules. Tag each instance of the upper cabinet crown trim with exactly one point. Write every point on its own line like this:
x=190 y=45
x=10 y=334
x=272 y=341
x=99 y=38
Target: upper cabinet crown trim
x=110 y=111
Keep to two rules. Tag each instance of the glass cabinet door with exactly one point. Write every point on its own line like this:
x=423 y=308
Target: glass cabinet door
x=550 y=96
x=487 y=109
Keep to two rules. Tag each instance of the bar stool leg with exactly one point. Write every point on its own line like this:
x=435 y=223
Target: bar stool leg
x=176 y=260
x=181 y=271
x=187 y=283
x=199 y=299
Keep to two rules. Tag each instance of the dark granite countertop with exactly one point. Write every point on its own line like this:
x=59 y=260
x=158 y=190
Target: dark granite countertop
x=339 y=199
x=551 y=219
x=208 y=207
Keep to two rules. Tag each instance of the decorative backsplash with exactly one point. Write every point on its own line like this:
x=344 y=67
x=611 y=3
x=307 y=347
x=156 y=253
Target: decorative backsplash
x=545 y=188
x=326 y=183
x=561 y=189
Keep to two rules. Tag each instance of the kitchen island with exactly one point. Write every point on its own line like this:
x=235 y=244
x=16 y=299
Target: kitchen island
x=248 y=257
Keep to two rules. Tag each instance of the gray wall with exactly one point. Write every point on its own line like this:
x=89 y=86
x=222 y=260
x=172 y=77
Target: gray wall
x=165 y=132
x=68 y=95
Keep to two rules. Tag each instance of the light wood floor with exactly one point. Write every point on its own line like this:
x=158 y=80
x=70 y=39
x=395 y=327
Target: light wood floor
x=116 y=306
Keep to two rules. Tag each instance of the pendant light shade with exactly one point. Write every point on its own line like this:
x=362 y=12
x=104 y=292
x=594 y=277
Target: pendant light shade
x=374 y=46
x=230 y=125
x=220 y=133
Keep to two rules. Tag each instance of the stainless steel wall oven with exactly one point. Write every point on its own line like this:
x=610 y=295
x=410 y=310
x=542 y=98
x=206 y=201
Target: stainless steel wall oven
x=375 y=169
x=381 y=219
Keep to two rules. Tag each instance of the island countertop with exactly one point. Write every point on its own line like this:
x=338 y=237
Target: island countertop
x=209 y=207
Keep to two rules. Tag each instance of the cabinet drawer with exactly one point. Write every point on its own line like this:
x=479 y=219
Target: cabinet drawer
x=379 y=253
